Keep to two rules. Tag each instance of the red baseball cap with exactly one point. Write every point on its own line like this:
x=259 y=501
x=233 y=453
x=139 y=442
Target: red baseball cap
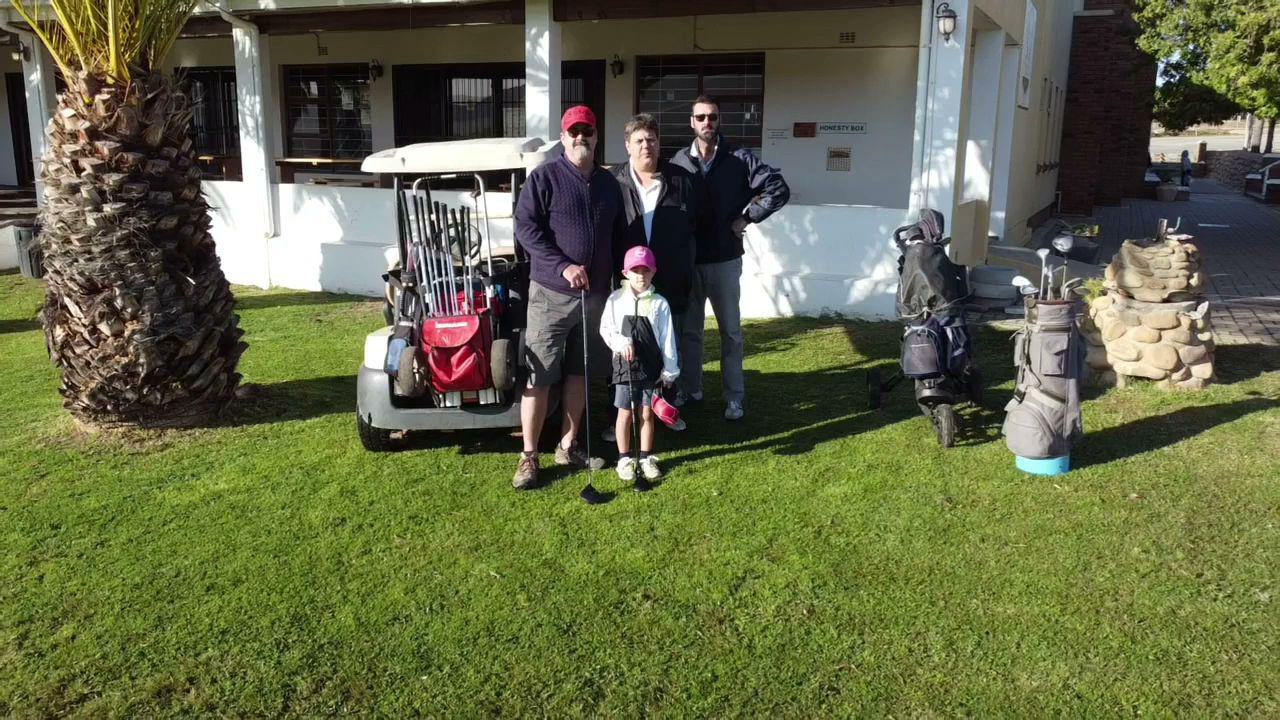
x=577 y=115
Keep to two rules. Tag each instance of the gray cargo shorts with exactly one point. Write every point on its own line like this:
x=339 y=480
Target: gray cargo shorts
x=553 y=336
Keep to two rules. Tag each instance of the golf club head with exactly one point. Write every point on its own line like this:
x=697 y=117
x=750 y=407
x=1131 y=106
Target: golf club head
x=1063 y=243
x=1020 y=281
x=642 y=485
x=1042 y=253
x=591 y=496
x=1029 y=290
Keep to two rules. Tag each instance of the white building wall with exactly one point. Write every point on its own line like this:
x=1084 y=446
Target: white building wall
x=809 y=78
x=1030 y=192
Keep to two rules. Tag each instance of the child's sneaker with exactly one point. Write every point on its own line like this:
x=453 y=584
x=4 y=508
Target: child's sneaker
x=649 y=466
x=627 y=468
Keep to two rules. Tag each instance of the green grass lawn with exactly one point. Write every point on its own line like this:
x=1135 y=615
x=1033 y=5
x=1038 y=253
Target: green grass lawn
x=816 y=559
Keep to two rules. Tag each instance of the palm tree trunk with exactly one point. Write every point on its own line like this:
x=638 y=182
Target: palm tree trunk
x=138 y=315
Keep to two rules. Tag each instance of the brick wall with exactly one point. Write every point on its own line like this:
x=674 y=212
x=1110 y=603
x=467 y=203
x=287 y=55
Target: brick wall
x=1107 y=120
x=1230 y=166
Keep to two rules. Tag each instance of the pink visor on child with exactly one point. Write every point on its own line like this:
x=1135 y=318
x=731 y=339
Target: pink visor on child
x=639 y=256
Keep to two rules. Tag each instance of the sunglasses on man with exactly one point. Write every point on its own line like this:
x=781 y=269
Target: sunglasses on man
x=585 y=131
x=713 y=117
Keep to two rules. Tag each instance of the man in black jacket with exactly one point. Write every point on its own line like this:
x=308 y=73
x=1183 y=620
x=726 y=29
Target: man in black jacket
x=743 y=190
x=665 y=210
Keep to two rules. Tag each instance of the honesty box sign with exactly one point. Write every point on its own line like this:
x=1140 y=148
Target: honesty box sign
x=842 y=128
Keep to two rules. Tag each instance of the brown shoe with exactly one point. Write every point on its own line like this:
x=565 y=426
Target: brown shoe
x=577 y=458
x=526 y=477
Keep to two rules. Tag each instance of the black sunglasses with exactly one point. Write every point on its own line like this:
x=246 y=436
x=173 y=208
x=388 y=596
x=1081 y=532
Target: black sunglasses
x=585 y=131
x=713 y=117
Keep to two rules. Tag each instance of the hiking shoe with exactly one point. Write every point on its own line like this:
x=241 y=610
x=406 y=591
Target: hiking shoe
x=526 y=477
x=577 y=458
x=683 y=398
x=649 y=466
x=627 y=468
x=609 y=435
x=733 y=410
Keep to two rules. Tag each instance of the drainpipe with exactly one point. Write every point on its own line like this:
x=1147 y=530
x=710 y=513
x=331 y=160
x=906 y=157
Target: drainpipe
x=252 y=86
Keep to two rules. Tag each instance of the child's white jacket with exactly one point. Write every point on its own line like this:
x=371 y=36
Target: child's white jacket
x=622 y=303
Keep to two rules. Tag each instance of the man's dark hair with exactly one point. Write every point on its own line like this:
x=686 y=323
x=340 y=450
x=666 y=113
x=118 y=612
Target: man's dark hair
x=704 y=100
x=643 y=121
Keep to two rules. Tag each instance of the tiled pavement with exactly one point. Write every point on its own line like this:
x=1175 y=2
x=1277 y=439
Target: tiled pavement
x=1239 y=241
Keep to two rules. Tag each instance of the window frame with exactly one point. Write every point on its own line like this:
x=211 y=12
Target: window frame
x=287 y=104
x=701 y=60
x=230 y=115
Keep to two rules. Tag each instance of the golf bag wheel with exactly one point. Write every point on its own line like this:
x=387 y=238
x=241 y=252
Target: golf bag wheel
x=944 y=424
x=409 y=380
x=973 y=385
x=373 y=439
x=502 y=364
x=875 y=398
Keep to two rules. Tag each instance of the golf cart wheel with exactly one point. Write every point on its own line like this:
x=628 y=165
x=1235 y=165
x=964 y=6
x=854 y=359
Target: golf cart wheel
x=372 y=438
x=944 y=424
x=502 y=364
x=875 y=398
x=973 y=385
x=407 y=383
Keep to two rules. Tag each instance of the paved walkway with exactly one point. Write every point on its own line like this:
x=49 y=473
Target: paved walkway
x=1239 y=241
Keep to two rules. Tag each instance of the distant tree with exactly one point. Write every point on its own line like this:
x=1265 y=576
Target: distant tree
x=1181 y=103
x=1228 y=46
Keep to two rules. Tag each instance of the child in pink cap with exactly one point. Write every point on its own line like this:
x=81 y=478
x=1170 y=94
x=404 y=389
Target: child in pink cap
x=637 y=326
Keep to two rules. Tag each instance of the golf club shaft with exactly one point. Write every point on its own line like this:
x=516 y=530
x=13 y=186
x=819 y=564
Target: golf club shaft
x=586 y=385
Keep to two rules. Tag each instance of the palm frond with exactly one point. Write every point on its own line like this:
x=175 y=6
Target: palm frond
x=108 y=39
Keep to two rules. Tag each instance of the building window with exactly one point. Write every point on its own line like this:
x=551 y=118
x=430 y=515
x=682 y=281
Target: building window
x=327 y=111
x=215 y=125
x=476 y=100
x=667 y=85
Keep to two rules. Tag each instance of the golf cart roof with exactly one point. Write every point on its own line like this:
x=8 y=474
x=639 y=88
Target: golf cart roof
x=463 y=156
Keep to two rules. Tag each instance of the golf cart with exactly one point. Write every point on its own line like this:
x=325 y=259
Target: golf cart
x=450 y=358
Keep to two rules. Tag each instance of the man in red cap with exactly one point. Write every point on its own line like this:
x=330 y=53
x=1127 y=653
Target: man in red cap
x=568 y=219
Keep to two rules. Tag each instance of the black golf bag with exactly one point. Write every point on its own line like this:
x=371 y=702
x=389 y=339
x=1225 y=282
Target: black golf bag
x=936 y=349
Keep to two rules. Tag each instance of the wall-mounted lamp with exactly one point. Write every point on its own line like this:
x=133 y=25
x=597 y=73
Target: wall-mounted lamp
x=946 y=21
x=21 y=54
x=375 y=70
x=616 y=66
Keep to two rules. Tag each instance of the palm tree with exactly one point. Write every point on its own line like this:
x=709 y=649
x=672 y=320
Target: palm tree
x=138 y=315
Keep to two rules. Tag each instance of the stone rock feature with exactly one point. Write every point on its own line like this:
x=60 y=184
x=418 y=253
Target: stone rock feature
x=1157 y=272
x=1153 y=322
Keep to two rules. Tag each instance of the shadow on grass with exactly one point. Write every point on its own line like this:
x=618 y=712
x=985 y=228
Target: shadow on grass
x=290 y=299
x=1159 y=431
x=17 y=326
x=1237 y=363
x=293 y=400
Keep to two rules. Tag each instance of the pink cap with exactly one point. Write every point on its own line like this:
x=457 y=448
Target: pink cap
x=639 y=256
x=666 y=412
x=577 y=115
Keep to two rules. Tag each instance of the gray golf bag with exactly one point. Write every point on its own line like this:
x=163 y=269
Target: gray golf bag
x=1043 y=420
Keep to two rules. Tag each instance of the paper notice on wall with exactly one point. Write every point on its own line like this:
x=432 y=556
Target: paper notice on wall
x=1027 y=64
x=777 y=133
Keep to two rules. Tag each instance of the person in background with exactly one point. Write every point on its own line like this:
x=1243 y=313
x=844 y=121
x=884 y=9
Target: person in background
x=743 y=190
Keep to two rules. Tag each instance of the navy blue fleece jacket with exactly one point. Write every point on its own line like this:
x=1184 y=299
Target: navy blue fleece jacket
x=564 y=218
